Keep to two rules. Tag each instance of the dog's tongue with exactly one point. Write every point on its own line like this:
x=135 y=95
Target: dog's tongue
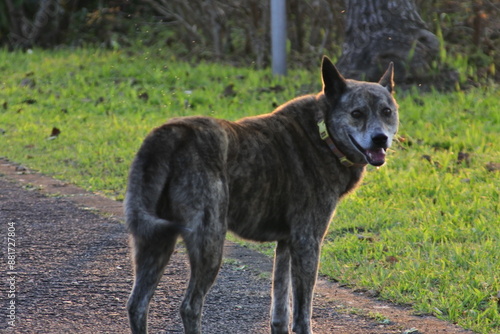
x=376 y=157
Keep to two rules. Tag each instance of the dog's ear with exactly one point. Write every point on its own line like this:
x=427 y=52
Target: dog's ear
x=387 y=79
x=334 y=83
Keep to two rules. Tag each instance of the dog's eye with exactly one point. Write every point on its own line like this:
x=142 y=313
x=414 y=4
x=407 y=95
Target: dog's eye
x=356 y=114
x=386 y=112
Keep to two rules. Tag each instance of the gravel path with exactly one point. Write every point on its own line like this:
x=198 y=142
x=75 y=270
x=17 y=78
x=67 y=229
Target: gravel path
x=72 y=274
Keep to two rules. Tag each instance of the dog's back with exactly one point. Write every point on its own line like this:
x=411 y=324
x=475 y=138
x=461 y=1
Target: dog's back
x=270 y=164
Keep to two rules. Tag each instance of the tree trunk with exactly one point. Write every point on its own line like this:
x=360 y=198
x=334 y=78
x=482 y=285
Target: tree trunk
x=17 y=19
x=46 y=14
x=45 y=27
x=381 y=31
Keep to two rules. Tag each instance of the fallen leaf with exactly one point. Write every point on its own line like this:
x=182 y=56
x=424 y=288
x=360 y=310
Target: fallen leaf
x=229 y=91
x=277 y=88
x=391 y=259
x=274 y=89
x=493 y=166
x=28 y=82
x=29 y=101
x=427 y=157
x=418 y=101
x=463 y=157
x=99 y=100
x=55 y=132
x=372 y=293
x=364 y=238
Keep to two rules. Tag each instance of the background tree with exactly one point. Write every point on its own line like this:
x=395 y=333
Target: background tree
x=41 y=23
x=380 y=31
x=363 y=34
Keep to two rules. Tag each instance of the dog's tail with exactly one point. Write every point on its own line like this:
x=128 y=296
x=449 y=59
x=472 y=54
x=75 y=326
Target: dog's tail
x=147 y=179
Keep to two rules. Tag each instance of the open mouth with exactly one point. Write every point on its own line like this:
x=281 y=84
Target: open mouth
x=374 y=156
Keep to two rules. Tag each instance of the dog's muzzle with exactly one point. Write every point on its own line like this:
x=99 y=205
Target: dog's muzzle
x=375 y=155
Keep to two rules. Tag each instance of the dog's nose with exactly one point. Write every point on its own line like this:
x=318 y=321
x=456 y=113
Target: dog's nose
x=380 y=139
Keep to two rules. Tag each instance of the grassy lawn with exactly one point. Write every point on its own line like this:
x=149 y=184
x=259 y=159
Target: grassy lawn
x=422 y=230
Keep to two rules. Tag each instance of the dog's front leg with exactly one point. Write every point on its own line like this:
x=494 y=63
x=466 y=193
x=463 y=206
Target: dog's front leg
x=304 y=261
x=280 y=309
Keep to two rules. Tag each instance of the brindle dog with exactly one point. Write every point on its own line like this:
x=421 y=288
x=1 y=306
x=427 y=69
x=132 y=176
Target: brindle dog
x=275 y=177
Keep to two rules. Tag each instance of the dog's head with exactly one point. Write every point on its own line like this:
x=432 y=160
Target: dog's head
x=362 y=117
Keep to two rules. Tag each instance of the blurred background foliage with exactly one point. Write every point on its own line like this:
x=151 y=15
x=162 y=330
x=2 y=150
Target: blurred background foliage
x=238 y=31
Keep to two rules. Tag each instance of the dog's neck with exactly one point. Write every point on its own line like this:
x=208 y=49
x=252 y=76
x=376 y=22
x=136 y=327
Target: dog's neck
x=325 y=136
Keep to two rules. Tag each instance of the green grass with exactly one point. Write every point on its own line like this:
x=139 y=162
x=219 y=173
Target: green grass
x=422 y=230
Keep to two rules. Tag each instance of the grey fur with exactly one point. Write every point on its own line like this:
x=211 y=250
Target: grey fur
x=266 y=178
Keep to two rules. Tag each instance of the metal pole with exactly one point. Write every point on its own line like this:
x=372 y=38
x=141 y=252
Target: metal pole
x=278 y=36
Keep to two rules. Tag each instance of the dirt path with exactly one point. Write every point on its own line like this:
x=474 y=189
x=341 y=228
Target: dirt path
x=72 y=274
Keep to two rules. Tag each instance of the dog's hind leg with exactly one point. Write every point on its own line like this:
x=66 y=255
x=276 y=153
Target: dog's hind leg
x=150 y=259
x=205 y=248
x=280 y=308
x=205 y=243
